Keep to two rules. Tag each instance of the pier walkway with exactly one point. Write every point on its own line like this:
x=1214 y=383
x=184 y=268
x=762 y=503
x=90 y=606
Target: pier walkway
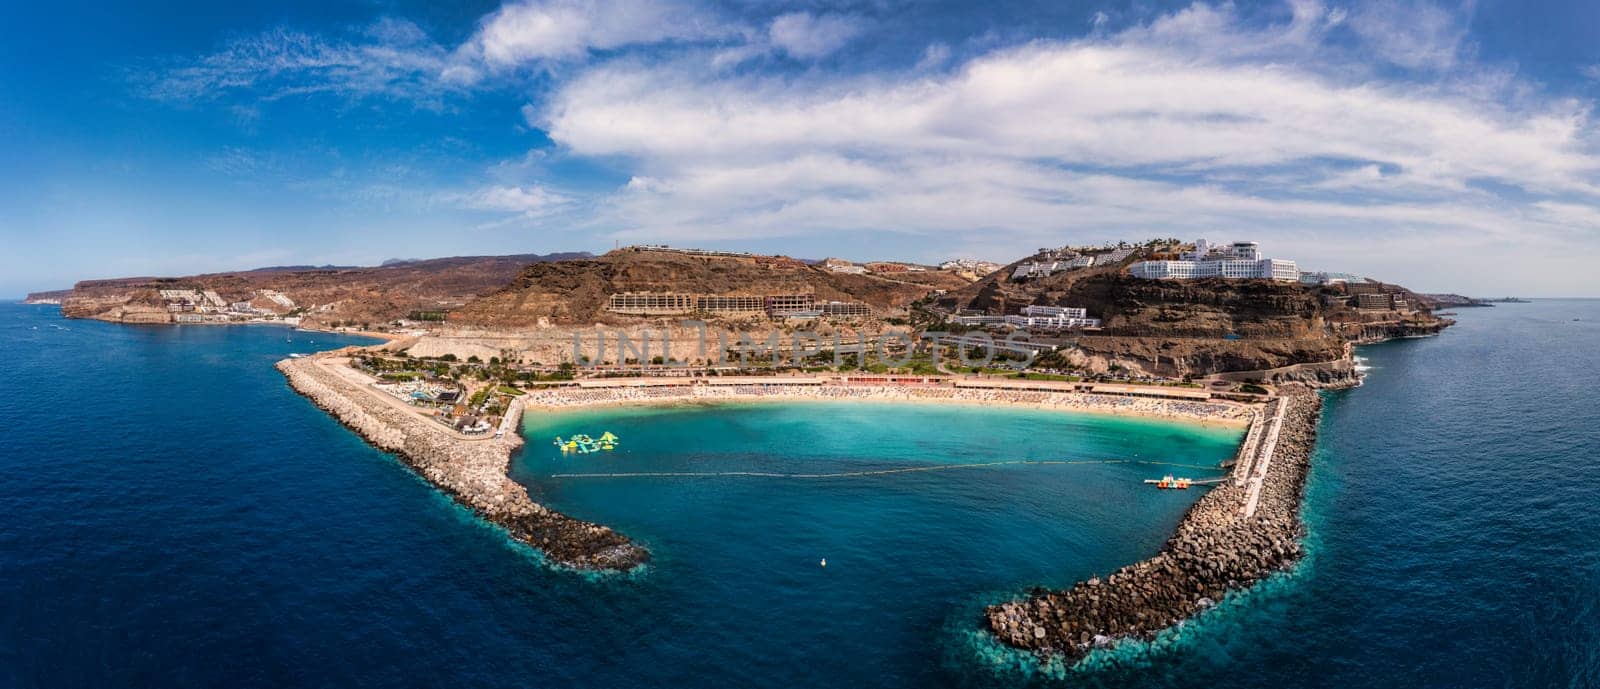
x=1262 y=459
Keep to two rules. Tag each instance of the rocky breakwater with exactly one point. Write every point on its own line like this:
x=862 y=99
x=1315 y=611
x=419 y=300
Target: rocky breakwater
x=1219 y=546
x=472 y=471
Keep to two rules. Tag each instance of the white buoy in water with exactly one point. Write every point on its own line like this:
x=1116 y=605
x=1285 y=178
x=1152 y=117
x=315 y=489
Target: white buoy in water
x=824 y=562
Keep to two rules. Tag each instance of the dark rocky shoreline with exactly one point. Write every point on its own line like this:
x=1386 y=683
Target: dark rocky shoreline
x=471 y=471
x=1215 y=549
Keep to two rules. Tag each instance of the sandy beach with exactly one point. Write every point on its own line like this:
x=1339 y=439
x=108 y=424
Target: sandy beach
x=1204 y=413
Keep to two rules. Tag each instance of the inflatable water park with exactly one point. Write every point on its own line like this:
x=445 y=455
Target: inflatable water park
x=583 y=444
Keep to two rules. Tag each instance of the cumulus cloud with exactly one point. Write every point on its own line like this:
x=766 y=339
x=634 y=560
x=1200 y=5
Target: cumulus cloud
x=807 y=36
x=1114 y=104
x=563 y=29
x=1196 y=121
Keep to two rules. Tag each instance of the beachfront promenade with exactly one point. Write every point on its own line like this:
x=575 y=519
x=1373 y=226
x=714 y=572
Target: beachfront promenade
x=1257 y=458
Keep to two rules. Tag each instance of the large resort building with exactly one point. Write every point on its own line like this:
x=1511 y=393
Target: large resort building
x=730 y=304
x=1042 y=318
x=1236 y=261
x=1053 y=318
x=651 y=303
x=776 y=305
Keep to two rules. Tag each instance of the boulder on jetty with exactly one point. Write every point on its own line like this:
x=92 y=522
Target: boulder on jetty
x=1218 y=547
x=471 y=471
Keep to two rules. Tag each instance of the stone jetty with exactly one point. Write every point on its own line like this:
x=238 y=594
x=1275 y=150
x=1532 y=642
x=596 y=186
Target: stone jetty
x=1237 y=534
x=471 y=471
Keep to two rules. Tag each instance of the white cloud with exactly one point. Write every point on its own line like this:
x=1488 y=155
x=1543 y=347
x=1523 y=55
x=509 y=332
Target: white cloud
x=807 y=36
x=535 y=30
x=1194 y=123
x=391 y=58
x=1417 y=34
x=1107 y=104
x=528 y=201
x=395 y=58
x=935 y=56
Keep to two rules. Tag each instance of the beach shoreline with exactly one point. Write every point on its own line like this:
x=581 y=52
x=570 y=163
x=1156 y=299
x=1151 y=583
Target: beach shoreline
x=474 y=471
x=1221 y=415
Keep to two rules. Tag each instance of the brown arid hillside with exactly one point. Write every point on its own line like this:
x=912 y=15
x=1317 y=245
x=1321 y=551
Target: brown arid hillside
x=1205 y=327
x=576 y=292
x=358 y=296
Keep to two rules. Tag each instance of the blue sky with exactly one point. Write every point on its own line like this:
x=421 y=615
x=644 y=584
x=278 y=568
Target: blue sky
x=1449 y=146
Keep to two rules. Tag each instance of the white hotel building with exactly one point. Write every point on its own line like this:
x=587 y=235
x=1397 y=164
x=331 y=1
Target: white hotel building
x=1238 y=261
x=1053 y=318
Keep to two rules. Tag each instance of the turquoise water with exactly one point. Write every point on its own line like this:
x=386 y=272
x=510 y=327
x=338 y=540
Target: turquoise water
x=911 y=556
x=172 y=515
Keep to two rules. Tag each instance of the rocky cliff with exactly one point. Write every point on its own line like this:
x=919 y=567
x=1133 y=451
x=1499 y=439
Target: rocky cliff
x=1281 y=332
x=1133 y=307
x=1179 y=357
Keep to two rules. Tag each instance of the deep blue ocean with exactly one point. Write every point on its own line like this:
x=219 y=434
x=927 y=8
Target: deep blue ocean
x=172 y=515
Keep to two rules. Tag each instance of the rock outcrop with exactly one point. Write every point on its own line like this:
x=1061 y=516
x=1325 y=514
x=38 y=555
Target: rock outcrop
x=473 y=472
x=1378 y=331
x=1179 y=357
x=49 y=297
x=1221 y=545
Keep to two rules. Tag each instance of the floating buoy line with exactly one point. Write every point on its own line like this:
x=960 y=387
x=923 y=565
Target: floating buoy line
x=884 y=472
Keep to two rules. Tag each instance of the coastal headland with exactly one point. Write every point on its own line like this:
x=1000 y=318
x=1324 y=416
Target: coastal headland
x=478 y=341
x=471 y=471
x=1236 y=534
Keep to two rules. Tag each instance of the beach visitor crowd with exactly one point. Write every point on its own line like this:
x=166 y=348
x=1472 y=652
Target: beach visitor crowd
x=1069 y=401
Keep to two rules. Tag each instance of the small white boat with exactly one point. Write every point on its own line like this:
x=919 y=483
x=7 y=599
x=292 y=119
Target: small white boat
x=824 y=562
